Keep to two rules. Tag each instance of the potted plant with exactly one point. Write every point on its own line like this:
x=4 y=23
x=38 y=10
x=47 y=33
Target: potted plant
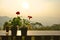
x=15 y=22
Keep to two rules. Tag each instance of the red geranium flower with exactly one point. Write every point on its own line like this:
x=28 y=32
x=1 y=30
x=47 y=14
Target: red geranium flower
x=17 y=12
x=29 y=17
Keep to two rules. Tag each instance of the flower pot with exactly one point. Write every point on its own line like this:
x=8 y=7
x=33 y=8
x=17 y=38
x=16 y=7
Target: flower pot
x=14 y=31
x=23 y=31
x=7 y=31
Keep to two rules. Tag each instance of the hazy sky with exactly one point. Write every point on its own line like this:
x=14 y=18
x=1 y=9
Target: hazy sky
x=45 y=11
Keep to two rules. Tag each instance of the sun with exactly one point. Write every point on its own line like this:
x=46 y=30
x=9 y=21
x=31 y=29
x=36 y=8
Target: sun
x=25 y=5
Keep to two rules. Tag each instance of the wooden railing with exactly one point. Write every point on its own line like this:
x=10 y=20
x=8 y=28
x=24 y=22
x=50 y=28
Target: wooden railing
x=32 y=35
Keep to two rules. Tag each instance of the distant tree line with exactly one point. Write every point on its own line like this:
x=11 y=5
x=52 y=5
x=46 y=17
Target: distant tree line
x=41 y=27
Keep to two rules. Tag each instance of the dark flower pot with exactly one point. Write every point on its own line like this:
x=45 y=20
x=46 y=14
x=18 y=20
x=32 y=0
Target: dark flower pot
x=14 y=31
x=7 y=31
x=23 y=31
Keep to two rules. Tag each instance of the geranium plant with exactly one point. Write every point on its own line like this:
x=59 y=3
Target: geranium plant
x=18 y=20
